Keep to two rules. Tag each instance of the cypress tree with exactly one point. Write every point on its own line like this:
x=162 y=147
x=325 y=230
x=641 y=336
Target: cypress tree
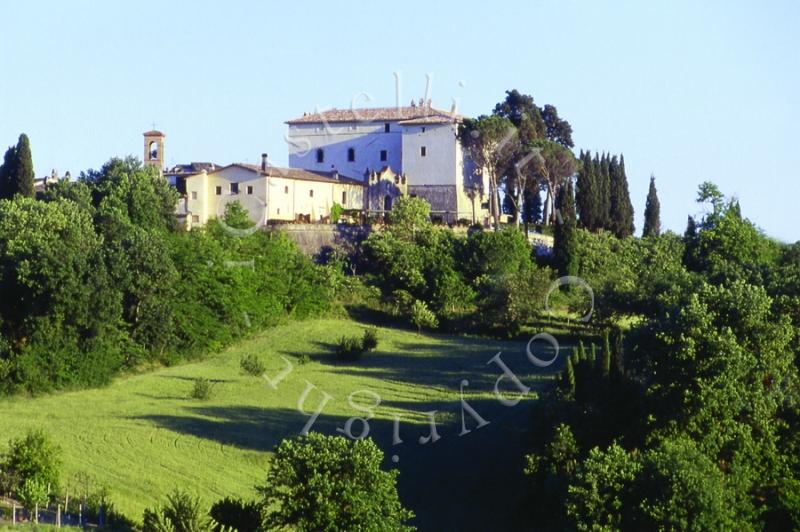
x=621 y=209
x=619 y=367
x=568 y=376
x=9 y=160
x=597 y=363
x=581 y=349
x=652 y=212
x=606 y=366
x=564 y=237
x=626 y=197
x=20 y=173
x=586 y=193
x=604 y=192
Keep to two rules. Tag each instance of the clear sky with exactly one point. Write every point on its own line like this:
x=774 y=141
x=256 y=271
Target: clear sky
x=687 y=90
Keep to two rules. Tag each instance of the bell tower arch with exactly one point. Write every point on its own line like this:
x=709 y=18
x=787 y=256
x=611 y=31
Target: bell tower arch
x=154 y=149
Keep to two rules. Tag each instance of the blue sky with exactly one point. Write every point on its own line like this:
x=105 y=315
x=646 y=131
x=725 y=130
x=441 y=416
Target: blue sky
x=689 y=91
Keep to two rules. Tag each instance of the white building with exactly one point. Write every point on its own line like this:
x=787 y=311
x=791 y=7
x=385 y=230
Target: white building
x=418 y=141
x=361 y=159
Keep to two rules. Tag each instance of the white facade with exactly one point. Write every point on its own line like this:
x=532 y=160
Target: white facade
x=417 y=141
x=366 y=144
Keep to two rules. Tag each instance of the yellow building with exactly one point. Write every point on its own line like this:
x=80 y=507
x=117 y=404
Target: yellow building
x=269 y=193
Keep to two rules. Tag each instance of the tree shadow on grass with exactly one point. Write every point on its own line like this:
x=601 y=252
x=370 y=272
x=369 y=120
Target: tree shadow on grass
x=446 y=362
x=462 y=481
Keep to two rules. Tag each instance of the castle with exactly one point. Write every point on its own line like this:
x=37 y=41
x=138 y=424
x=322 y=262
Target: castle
x=360 y=159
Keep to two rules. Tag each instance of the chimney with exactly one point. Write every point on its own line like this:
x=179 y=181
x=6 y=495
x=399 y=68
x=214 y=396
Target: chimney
x=263 y=162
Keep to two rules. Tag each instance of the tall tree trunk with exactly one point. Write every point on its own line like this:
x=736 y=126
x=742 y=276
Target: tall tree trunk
x=495 y=202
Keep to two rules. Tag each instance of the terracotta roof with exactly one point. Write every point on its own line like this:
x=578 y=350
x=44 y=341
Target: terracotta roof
x=153 y=133
x=427 y=120
x=298 y=173
x=377 y=114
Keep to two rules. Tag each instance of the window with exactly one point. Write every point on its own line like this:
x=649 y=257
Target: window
x=194 y=194
x=384 y=155
x=218 y=190
x=344 y=197
x=234 y=188
x=423 y=129
x=423 y=151
x=311 y=193
x=249 y=189
x=351 y=154
x=279 y=210
x=196 y=218
x=386 y=127
x=320 y=155
x=286 y=189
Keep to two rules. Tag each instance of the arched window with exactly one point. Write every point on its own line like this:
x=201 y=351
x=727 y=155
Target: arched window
x=351 y=154
x=153 y=150
x=320 y=155
x=387 y=203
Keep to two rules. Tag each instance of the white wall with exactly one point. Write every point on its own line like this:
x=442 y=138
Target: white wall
x=438 y=166
x=368 y=139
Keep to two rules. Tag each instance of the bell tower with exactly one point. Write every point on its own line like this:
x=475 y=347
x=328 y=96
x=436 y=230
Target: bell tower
x=154 y=149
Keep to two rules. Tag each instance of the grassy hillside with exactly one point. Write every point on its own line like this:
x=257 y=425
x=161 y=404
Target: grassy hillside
x=143 y=435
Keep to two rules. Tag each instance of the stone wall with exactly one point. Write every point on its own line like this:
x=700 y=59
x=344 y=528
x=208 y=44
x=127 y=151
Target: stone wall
x=313 y=238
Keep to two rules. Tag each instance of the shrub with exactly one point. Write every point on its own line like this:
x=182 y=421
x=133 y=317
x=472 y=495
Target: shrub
x=252 y=365
x=336 y=212
x=235 y=514
x=181 y=513
x=349 y=348
x=202 y=389
x=422 y=316
x=319 y=482
x=370 y=339
x=32 y=461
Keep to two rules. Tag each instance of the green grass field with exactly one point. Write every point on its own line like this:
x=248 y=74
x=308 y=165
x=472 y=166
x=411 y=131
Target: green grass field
x=143 y=435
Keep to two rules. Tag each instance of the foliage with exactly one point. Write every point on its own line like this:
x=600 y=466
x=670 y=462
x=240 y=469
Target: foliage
x=32 y=463
x=652 y=212
x=621 y=209
x=369 y=341
x=493 y=144
x=349 y=348
x=16 y=172
x=32 y=494
x=236 y=216
x=599 y=496
x=422 y=316
x=328 y=483
x=181 y=513
x=58 y=311
x=236 y=514
x=495 y=253
x=252 y=365
x=565 y=251
x=202 y=389
x=336 y=212
x=409 y=215
x=507 y=302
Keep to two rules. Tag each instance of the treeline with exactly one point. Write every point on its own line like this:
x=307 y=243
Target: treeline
x=602 y=197
x=97 y=277
x=688 y=421
x=487 y=282
x=525 y=150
